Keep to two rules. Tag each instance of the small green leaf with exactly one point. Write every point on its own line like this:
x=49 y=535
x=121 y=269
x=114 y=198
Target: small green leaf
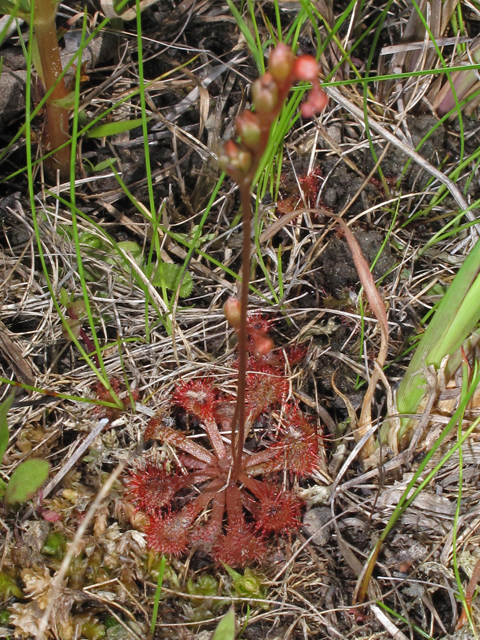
x=19 y=9
x=232 y=573
x=26 y=480
x=91 y=240
x=3 y=486
x=106 y=164
x=67 y=102
x=129 y=246
x=4 y=617
x=64 y=297
x=8 y=587
x=112 y=128
x=4 y=409
x=169 y=275
x=226 y=627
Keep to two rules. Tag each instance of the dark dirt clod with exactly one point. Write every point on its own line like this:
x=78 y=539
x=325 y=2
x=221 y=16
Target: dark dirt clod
x=338 y=266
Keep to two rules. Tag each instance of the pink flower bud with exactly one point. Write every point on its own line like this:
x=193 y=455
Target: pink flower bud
x=306 y=68
x=248 y=128
x=232 y=310
x=281 y=62
x=229 y=153
x=317 y=101
x=265 y=93
x=262 y=343
x=243 y=161
x=234 y=158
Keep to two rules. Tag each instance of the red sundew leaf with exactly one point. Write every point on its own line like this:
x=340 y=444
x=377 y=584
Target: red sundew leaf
x=296 y=420
x=189 y=462
x=178 y=440
x=296 y=353
x=223 y=414
x=239 y=547
x=204 y=536
x=277 y=510
x=152 y=488
x=196 y=396
x=257 y=322
x=264 y=389
x=297 y=454
x=255 y=464
x=167 y=534
x=311 y=186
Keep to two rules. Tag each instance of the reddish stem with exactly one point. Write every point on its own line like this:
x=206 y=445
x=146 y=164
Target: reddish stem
x=90 y=346
x=57 y=117
x=469 y=592
x=238 y=421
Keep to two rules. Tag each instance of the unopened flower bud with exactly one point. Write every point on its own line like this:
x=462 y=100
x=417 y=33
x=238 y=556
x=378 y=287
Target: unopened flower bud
x=233 y=310
x=262 y=343
x=248 y=128
x=230 y=150
x=280 y=62
x=265 y=93
x=317 y=101
x=223 y=163
x=234 y=159
x=306 y=68
x=243 y=161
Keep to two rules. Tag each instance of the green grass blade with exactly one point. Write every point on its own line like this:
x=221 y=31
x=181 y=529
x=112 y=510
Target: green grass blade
x=158 y=593
x=4 y=436
x=456 y=317
x=252 y=45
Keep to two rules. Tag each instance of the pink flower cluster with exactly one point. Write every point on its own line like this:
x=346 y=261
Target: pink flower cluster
x=268 y=95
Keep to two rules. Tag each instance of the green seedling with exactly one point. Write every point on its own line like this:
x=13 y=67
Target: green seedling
x=113 y=128
x=168 y=275
x=8 y=587
x=4 y=617
x=248 y=585
x=226 y=627
x=206 y=585
x=29 y=476
x=158 y=593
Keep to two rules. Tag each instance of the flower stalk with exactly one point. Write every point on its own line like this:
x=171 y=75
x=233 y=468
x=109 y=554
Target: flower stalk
x=241 y=161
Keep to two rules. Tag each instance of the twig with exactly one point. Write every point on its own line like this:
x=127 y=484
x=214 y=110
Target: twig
x=387 y=623
x=76 y=455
